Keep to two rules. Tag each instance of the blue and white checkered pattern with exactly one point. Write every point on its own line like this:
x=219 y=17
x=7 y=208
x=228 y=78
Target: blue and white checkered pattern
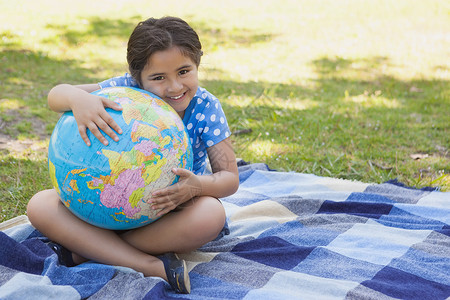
x=293 y=236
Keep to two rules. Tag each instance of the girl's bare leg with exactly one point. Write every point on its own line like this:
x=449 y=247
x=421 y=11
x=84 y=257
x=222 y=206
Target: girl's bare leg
x=47 y=213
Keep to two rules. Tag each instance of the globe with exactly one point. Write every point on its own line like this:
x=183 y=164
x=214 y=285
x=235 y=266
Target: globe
x=109 y=186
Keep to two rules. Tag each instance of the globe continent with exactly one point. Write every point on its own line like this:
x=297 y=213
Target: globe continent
x=109 y=186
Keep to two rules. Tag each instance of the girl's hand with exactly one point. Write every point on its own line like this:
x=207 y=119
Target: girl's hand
x=187 y=187
x=90 y=113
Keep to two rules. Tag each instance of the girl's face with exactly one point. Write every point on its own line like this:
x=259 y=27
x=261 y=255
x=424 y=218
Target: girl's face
x=172 y=76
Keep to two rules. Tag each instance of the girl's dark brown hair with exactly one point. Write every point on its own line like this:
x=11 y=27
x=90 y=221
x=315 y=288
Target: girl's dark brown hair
x=154 y=35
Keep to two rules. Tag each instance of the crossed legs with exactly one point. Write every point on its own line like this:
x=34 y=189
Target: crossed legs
x=197 y=222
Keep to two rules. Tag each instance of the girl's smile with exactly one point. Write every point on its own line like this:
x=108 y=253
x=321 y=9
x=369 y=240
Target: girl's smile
x=179 y=98
x=172 y=76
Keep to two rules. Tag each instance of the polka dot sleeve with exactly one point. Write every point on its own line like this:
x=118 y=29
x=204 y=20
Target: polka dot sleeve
x=125 y=80
x=212 y=126
x=216 y=127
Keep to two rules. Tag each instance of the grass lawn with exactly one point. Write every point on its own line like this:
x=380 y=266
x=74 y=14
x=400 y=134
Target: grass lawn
x=355 y=89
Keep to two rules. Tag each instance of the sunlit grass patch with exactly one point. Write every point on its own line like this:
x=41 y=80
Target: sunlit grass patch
x=376 y=99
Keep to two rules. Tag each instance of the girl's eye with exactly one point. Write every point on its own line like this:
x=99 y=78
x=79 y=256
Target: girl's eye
x=183 y=72
x=158 y=78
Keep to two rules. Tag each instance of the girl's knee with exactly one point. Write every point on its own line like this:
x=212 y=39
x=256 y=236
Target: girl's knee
x=210 y=217
x=39 y=206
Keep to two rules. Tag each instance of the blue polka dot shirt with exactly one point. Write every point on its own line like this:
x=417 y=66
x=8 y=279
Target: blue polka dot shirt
x=204 y=119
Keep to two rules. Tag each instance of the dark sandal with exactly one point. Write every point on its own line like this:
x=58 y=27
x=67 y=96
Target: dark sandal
x=176 y=272
x=64 y=255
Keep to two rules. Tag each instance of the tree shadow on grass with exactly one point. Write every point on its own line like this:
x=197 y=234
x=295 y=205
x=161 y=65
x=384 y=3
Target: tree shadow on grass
x=96 y=28
x=326 y=66
x=366 y=76
x=212 y=38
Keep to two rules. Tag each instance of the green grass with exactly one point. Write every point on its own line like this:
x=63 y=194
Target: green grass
x=348 y=89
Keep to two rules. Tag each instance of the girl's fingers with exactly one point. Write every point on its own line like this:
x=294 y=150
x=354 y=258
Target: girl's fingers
x=96 y=132
x=162 y=212
x=82 y=131
x=107 y=117
x=163 y=209
x=163 y=192
x=95 y=127
x=106 y=127
x=107 y=123
x=111 y=104
x=160 y=200
x=182 y=172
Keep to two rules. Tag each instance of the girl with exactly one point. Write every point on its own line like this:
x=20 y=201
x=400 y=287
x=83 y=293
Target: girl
x=163 y=57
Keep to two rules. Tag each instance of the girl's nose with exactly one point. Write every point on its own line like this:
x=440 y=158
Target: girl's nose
x=175 y=86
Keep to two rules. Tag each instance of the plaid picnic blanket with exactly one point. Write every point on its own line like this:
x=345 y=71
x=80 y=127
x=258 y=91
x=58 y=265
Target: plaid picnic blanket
x=292 y=236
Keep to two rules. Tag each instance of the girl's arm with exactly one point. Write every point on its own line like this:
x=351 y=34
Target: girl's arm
x=223 y=182
x=225 y=178
x=88 y=110
x=61 y=97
